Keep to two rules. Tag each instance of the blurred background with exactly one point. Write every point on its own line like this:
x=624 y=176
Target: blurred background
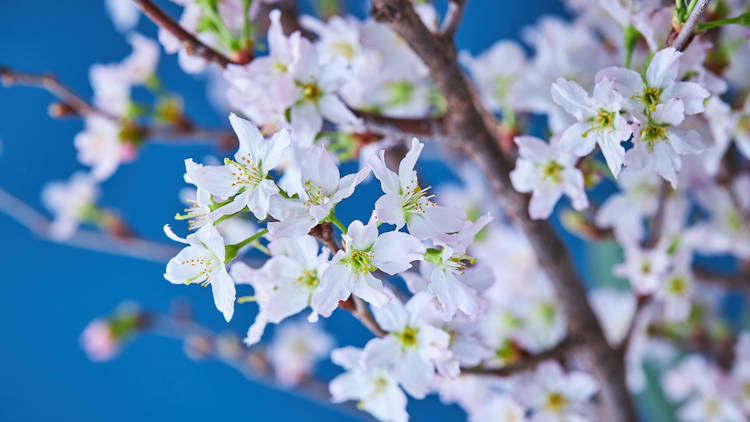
x=49 y=292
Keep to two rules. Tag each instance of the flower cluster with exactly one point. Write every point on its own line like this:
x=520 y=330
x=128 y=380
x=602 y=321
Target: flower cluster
x=647 y=138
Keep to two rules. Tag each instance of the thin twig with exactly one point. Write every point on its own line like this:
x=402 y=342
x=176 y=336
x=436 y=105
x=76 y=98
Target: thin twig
x=83 y=238
x=683 y=38
x=51 y=84
x=527 y=363
x=738 y=280
x=453 y=17
x=192 y=44
x=77 y=105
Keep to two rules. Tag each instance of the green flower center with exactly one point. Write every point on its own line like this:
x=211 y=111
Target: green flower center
x=677 y=286
x=343 y=48
x=359 y=261
x=407 y=337
x=311 y=92
x=309 y=279
x=556 y=402
x=551 y=171
x=651 y=98
x=652 y=134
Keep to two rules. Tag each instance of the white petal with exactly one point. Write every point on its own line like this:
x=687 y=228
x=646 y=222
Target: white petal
x=395 y=251
x=389 y=210
x=573 y=98
x=664 y=67
x=578 y=139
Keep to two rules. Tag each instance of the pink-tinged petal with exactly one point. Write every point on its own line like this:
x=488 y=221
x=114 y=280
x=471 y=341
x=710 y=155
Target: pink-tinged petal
x=578 y=139
x=389 y=210
x=605 y=95
x=242 y=273
x=666 y=162
x=581 y=386
x=574 y=99
x=664 y=68
x=451 y=293
x=381 y=351
x=395 y=251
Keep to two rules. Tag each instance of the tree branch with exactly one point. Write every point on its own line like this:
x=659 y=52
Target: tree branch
x=453 y=17
x=85 y=239
x=71 y=103
x=192 y=44
x=683 y=38
x=528 y=363
x=50 y=83
x=466 y=121
x=657 y=222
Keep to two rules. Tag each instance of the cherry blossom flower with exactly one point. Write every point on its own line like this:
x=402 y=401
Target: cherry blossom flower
x=364 y=252
x=202 y=261
x=243 y=179
x=406 y=203
x=71 y=202
x=99 y=146
x=547 y=171
x=660 y=86
x=494 y=71
x=556 y=396
x=296 y=348
x=285 y=284
x=124 y=14
x=599 y=121
x=414 y=345
x=369 y=381
x=323 y=188
x=98 y=342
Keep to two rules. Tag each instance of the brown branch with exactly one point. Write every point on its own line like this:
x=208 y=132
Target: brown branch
x=528 y=363
x=50 y=83
x=71 y=104
x=453 y=17
x=192 y=44
x=466 y=122
x=424 y=127
x=738 y=280
x=684 y=37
